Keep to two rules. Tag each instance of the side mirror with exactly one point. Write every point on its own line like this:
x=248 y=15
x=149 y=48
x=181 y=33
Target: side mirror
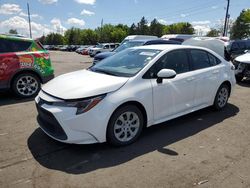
x=165 y=74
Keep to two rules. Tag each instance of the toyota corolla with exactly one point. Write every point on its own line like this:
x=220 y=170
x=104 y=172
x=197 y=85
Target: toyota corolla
x=115 y=99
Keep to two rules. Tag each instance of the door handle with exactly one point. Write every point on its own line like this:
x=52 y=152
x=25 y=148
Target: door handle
x=190 y=79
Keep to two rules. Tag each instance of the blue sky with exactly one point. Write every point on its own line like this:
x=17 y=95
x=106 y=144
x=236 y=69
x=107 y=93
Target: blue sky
x=58 y=15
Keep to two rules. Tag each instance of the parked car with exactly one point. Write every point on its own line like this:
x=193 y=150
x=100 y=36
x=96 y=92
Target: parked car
x=132 y=43
x=217 y=45
x=24 y=65
x=72 y=48
x=139 y=37
x=106 y=47
x=64 y=48
x=86 y=51
x=237 y=47
x=242 y=66
x=178 y=37
x=135 y=88
x=80 y=49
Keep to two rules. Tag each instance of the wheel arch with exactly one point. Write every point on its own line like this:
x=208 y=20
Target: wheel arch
x=22 y=72
x=139 y=106
x=228 y=83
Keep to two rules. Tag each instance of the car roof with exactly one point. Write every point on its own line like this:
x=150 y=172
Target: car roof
x=151 y=40
x=15 y=37
x=167 y=47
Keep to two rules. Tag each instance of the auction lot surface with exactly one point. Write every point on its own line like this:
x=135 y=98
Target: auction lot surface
x=203 y=149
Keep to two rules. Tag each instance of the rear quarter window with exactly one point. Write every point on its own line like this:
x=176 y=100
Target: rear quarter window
x=213 y=60
x=7 y=45
x=202 y=59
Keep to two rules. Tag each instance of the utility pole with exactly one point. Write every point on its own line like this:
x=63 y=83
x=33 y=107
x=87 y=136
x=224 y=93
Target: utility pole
x=226 y=18
x=101 y=28
x=227 y=25
x=29 y=19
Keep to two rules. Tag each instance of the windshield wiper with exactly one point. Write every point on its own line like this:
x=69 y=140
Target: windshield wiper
x=104 y=71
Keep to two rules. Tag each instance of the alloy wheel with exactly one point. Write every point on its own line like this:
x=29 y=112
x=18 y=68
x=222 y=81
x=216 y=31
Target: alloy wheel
x=27 y=85
x=126 y=126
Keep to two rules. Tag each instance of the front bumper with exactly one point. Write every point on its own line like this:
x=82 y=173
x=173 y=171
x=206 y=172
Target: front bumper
x=62 y=123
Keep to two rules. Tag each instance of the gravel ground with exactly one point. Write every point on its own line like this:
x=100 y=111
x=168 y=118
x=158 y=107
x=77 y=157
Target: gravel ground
x=203 y=149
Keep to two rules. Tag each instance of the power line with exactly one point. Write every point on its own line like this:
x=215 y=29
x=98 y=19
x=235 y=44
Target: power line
x=187 y=11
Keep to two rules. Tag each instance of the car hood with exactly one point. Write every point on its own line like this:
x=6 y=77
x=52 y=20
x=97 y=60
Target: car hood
x=104 y=55
x=82 y=84
x=244 y=58
x=95 y=49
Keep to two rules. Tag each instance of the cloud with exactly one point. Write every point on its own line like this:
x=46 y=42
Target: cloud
x=48 y=1
x=205 y=22
x=184 y=15
x=31 y=15
x=88 y=2
x=87 y=12
x=57 y=26
x=162 y=21
x=22 y=26
x=10 y=9
x=201 y=29
x=75 y=21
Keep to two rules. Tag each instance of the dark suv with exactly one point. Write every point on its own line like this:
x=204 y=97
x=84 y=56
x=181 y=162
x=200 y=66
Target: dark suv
x=236 y=48
x=24 y=65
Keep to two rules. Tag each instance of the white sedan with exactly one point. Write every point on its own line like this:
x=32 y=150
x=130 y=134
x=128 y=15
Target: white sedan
x=138 y=87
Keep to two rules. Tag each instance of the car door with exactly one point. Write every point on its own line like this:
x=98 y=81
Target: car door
x=206 y=69
x=176 y=95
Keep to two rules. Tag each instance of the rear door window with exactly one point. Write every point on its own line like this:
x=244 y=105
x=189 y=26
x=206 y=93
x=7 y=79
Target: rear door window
x=13 y=45
x=200 y=59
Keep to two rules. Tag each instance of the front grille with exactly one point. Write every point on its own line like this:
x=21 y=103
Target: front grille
x=48 y=123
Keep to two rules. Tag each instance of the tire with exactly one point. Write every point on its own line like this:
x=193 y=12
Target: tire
x=221 y=97
x=239 y=78
x=121 y=131
x=26 y=85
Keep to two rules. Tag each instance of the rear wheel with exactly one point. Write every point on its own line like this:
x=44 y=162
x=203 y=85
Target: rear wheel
x=26 y=85
x=221 y=97
x=125 y=126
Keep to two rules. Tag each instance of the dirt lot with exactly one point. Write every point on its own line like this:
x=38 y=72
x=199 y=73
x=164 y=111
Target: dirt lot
x=203 y=149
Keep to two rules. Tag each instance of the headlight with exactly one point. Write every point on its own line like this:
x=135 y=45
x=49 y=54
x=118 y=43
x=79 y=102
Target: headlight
x=242 y=66
x=81 y=105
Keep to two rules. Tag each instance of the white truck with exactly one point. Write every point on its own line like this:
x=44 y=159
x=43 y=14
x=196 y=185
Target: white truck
x=104 y=47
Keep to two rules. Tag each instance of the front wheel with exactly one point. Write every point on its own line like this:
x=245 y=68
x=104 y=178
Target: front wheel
x=125 y=126
x=221 y=97
x=26 y=85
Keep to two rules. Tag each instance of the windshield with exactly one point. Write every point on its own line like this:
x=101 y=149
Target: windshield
x=99 y=46
x=126 y=63
x=128 y=44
